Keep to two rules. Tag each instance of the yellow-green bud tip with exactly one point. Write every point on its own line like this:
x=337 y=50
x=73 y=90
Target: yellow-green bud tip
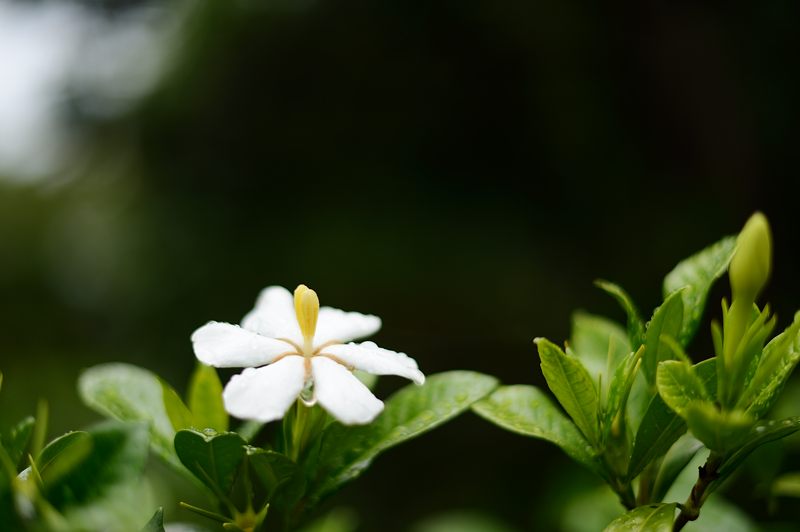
x=751 y=264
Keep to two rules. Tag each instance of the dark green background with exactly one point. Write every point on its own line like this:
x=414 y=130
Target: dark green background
x=462 y=169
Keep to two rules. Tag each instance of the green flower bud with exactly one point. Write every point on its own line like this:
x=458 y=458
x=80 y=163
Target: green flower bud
x=752 y=262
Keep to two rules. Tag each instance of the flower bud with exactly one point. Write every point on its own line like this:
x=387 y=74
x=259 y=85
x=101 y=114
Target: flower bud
x=751 y=264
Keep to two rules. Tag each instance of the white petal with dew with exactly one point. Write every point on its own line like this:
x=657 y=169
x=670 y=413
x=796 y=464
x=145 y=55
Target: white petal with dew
x=368 y=357
x=224 y=345
x=265 y=394
x=274 y=315
x=342 y=394
x=335 y=324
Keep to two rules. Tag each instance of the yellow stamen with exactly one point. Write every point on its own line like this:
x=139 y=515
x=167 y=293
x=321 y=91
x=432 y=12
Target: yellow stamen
x=306 y=306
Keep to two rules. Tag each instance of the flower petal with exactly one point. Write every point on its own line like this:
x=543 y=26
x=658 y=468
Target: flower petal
x=274 y=315
x=342 y=394
x=368 y=357
x=224 y=345
x=337 y=325
x=265 y=394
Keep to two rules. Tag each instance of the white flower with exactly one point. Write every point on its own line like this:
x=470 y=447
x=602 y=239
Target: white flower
x=293 y=348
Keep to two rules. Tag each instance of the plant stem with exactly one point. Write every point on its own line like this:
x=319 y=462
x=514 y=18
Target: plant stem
x=690 y=510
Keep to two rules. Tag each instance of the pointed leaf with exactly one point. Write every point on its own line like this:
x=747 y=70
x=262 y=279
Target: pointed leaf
x=18 y=438
x=129 y=393
x=650 y=518
x=667 y=320
x=205 y=399
x=528 y=411
x=118 y=455
x=346 y=451
x=62 y=455
x=178 y=413
x=698 y=273
x=212 y=457
x=573 y=387
x=635 y=324
x=661 y=426
x=778 y=360
x=679 y=386
x=156 y=523
x=599 y=344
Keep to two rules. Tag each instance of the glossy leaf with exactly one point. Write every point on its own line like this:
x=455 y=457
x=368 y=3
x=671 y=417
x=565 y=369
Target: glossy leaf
x=679 y=386
x=697 y=274
x=129 y=393
x=667 y=320
x=635 y=325
x=346 y=451
x=178 y=413
x=62 y=455
x=212 y=457
x=528 y=411
x=573 y=387
x=18 y=438
x=778 y=360
x=118 y=455
x=661 y=426
x=205 y=399
x=650 y=518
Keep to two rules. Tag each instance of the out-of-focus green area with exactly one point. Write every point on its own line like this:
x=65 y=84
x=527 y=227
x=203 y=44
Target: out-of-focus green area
x=464 y=170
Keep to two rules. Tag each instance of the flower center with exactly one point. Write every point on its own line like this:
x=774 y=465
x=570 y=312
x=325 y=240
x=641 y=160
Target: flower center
x=306 y=306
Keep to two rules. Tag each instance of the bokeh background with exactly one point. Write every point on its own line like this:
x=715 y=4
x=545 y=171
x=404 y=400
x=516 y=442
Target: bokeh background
x=464 y=170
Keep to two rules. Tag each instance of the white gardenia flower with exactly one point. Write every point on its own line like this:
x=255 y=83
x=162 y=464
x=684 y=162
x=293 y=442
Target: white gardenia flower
x=291 y=348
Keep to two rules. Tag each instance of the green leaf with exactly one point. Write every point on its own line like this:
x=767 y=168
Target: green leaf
x=272 y=469
x=62 y=455
x=720 y=431
x=661 y=426
x=675 y=461
x=618 y=392
x=635 y=324
x=679 y=386
x=118 y=455
x=573 y=387
x=599 y=344
x=129 y=393
x=666 y=321
x=650 y=518
x=178 y=413
x=698 y=273
x=212 y=457
x=762 y=433
x=205 y=399
x=528 y=411
x=17 y=441
x=156 y=523
x=778 y=360
x=347 y=451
